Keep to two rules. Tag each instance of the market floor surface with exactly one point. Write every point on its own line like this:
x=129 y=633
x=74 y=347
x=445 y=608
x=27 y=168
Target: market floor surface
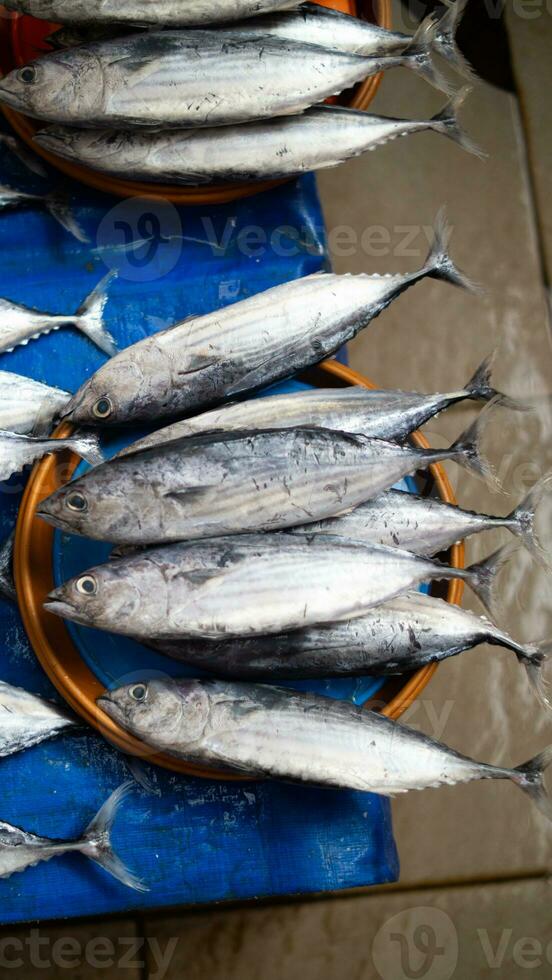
x=474 y=899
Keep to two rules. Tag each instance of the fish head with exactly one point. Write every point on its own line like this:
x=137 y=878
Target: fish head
x=105 y=597
x=95 y=505
x=158 y=711
x=59 y=87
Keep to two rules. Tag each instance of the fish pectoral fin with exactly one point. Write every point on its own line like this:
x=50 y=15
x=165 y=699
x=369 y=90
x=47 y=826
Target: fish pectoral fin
x=198 y=364
x=187 y=495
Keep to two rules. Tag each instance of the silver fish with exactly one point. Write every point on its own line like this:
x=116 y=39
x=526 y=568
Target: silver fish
x=179 y=13
x=251 y=584
x=402 y=635
x=216 y=484
x=379 y=414
x=427 y=525
x=212 y=358
x=180 y=79
x=55 y=203
x=21 y=151
x=18 y=451
x=271 y=732
x=7 y=581
x=28 y=406
x=19 y=324
x=20 y=849
x=27 y=720
x=321 y=137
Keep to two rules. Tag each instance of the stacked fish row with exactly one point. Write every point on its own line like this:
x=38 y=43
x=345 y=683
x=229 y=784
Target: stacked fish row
x=200 y=95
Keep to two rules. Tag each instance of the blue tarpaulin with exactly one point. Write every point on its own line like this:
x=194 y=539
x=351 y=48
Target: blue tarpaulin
x=197 y=841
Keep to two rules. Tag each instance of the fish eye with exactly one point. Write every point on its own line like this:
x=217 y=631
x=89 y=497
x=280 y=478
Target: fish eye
x=139 y=692
x=28 y=74
x=77 y=501
x=87 y=585
x=103 y=408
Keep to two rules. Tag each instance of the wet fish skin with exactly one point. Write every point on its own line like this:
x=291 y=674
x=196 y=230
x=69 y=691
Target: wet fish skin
x=401 y=635
x=180 y=79
x=56 y=203
x=375 y=413
x=428 y=525
x=253 y=584
x=28 y=406
x=210 y=359
x=18 y=451
x=27 y=720
x=7 y=583
x=216 y=484
x=191 y=13
x=321 y=137
x=275 y=733
x=19 y=324
x=20 y=849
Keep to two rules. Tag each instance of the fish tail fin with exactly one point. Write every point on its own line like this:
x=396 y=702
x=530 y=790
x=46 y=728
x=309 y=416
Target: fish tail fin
x=467 y=449
x=482 y=577
x=446 y=122
x=521 y=521
x=534 y=657
x=87 y=445
x=530 y=778
x=445 y=38
x=439 y=264
x=59 y=206
x=96 y=843
x=418 y=55
x=479 y=387
x=89 y=316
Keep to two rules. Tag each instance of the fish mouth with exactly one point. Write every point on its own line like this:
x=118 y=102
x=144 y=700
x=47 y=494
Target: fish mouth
x=10 y=98
x=51 y=140
x=109 y=707
x=59 y=607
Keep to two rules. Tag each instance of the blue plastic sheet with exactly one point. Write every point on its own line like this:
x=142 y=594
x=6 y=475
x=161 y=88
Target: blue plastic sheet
x=198 y=841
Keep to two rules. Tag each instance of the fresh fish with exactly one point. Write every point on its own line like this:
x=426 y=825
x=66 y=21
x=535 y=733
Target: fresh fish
x=20 y=849
x=445 y=38
x=28 y=406
x=379 y=414
x=179 y=13
x=180 y=79
x=21 y=151
x=19 y=324
x=402 y=635
x=224 y=483
x=55 y=203
x=251 y=584
x=427 y=525
x=17 y=451
x=321 y=137
x=212 y=358
x=271 y=732
x=27 y=720
x=7 y=581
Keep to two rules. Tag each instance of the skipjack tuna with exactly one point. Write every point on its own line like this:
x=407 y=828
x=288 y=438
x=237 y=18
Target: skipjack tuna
x=28 y=406
x=55 y=203
x=399 y=636
x=179 y=79
x=18 y=451
x=251 y=584
x=179 y=13
x=19 y=324
x=216 y=484
x=27 y=720
x=321 y=137
x=265 y=338
x=274 y=733
x=377 y=413
x=427 y=525
x=20 y=849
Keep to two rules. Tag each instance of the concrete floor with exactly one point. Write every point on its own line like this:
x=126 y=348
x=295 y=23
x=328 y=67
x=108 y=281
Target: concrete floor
x=474 y=900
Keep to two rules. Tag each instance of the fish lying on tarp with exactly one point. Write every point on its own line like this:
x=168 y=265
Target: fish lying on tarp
x=54 y=202
x=269 y=732
x=180 y=13
x=401 y=635
x=209 y=359
x=27 y=406
x=19 y=324
x=27 y=720
x=180 y=79
x=215 y=484
x=18 y=451
x=20 y=849
x=319 y=138
x=252 y=584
